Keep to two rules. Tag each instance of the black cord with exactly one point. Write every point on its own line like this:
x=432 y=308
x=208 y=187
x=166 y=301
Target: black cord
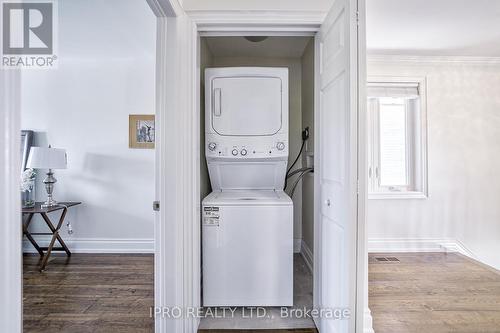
x=302 y=174
x=294 y=162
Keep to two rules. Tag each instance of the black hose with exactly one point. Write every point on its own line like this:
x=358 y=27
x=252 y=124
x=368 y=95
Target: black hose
x=294 y=162
x=298 y=180
x=297 y=171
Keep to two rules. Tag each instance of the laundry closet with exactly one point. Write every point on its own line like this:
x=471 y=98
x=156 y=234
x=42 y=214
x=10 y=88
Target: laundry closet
x=279 y=63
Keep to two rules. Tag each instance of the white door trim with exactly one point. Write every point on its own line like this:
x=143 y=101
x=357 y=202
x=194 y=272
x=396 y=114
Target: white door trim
x=257 y=22
x=223 y=24
x=176 y=251
x=11 y=302
x=172 y=172
x=366 y=320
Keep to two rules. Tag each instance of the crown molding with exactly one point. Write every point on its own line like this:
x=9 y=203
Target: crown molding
x=166 y=8
x=407 y=59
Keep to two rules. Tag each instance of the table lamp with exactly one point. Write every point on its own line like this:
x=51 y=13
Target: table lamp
x=47 y=158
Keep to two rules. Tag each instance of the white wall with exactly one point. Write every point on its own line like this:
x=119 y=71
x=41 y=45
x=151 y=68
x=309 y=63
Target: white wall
x=307 y=63
x=463 y=106
x=106 y=72
x=429 y=27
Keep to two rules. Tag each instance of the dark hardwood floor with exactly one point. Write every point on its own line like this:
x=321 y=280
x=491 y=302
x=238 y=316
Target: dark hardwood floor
x=93 y=293
x=422 y=292
x=433 y=293
x=99 y=293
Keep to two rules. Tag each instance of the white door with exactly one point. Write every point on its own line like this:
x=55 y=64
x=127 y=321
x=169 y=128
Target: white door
x=336 y=169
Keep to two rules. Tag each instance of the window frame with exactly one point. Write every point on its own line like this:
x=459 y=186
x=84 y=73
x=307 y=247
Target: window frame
x=416 y=141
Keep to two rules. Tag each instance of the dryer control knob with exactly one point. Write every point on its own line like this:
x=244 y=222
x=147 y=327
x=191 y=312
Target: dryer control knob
x=212 y=146
x=243 y=152
x=234 y=152
x=280 y=145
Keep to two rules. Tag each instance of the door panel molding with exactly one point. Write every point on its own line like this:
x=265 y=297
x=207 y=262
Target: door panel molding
x=336 y=158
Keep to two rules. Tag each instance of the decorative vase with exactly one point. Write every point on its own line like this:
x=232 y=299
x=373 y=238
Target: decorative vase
x=28 y=188
x=28 y=194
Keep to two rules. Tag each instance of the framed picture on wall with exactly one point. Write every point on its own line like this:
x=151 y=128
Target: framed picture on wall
x=141 y=131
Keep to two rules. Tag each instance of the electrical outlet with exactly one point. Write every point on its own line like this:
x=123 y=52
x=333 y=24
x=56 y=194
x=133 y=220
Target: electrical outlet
x=305 y=134
x=309 y=159
x=69 y=227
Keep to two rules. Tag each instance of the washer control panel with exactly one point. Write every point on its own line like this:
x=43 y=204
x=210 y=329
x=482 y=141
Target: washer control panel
x=221 y=149
x=212 y=146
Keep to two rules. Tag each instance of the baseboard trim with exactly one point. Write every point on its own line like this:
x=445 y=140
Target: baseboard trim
x=307 y=254
x=417 y=245
x=458 y=246
x=97 y=245
x=368 y=321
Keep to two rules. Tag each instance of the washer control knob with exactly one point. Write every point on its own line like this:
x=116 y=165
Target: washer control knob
x=212 y=146
x=243 y=152
x=234 y=152
x=280 y=145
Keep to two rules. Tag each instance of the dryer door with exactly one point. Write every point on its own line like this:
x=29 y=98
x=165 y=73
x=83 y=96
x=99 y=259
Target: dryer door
x=247 y=105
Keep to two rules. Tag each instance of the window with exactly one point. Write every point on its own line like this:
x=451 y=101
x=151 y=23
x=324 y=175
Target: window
x=397 y=138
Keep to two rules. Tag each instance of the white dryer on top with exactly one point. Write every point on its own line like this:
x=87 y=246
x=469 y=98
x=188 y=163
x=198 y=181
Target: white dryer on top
x=246 y=127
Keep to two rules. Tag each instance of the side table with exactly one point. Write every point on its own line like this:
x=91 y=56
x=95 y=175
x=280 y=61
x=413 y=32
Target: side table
x=28 y=214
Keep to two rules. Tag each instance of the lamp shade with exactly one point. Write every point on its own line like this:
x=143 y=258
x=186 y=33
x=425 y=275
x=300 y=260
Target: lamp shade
x=47 y=158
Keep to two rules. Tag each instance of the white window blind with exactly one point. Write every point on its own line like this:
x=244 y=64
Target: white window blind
x=393 y=143
x=403 y=90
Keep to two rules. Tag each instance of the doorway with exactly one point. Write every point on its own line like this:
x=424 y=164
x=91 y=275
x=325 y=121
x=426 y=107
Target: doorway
x=296 y=53
x=97 y=107
x=339 y=252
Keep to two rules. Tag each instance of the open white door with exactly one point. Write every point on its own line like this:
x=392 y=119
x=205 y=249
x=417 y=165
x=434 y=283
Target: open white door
x=336 y=167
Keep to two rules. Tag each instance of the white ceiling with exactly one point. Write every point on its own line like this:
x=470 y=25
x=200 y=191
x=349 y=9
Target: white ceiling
x=275 y=47
x=434 y=27
x=406 y=27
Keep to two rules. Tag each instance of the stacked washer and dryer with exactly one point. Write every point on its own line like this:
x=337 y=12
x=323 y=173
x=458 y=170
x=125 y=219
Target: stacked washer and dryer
x=247 y=221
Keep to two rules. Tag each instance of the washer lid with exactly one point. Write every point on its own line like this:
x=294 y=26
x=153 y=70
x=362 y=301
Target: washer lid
x=247 y=197
x=263 y=174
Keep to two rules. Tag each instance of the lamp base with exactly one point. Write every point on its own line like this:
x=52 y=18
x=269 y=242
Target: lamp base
x=49 y=203
x=49 y=187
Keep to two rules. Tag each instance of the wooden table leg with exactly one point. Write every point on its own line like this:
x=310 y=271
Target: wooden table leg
x=28 y=234
x=55 y=231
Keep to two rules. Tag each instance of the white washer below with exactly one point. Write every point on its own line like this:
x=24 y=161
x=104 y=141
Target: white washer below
x=247 y=240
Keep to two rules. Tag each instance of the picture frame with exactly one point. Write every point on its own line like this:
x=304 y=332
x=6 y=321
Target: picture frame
x=142 y=132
